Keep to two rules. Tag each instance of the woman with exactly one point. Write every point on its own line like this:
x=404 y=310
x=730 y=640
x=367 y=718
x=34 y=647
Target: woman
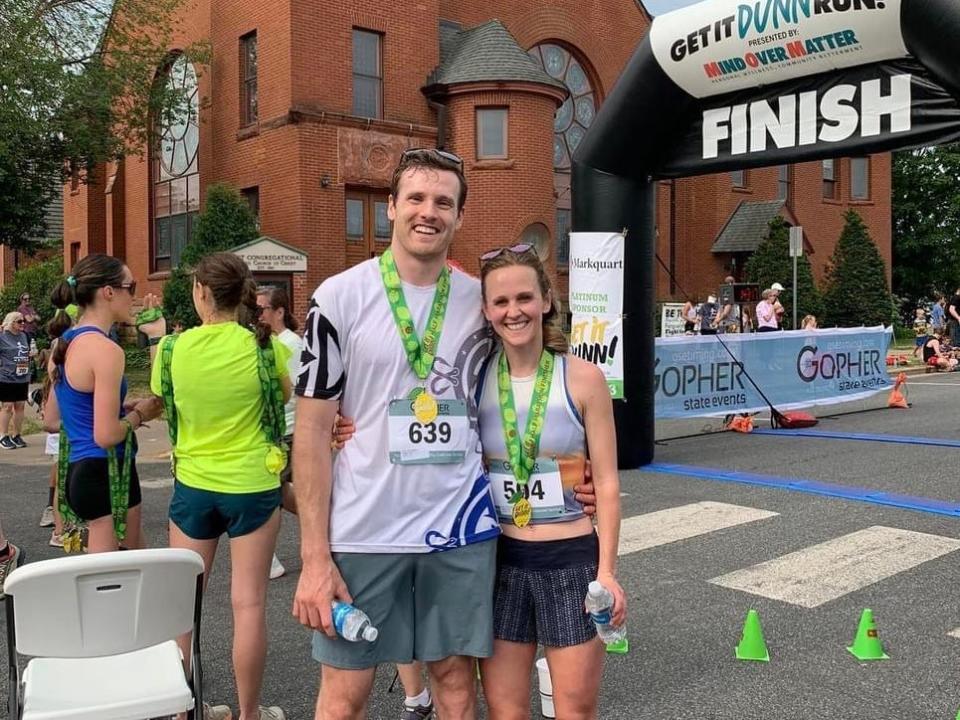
x=549 y=552
x=57 y=326
x=689 y=313
x=809 y=322
x=934 y=358
x=273 y=310
x=100 y=483
x=224 y=388
x=30 y=316
x=14 y=380
x=767 y=311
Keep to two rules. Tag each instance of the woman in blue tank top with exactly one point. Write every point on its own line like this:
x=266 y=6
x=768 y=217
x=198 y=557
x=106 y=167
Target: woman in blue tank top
x=101 y=485
x=549 y=552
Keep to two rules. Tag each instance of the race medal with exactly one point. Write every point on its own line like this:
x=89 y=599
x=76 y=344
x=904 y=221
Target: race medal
x=523 y=450
x=522 y=512
x=425 y=408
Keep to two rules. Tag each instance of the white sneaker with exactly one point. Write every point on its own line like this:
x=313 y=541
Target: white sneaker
x=276 y=568
x=217 y=712
x=46 y=519
x=272 y=713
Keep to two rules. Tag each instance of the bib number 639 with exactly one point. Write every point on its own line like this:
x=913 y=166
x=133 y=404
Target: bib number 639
x=429 y=433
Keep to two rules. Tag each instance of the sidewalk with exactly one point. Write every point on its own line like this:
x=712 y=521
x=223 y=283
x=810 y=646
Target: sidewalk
x=152 y=438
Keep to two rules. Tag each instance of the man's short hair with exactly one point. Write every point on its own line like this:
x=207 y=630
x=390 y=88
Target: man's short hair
x=434 y=159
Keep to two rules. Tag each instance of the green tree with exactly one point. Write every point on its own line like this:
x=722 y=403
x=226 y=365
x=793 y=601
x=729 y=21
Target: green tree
x=225 y=223
x=78 y=89
x=39 y=280
x=771 y=262
x=857 y=292
x=926 y=222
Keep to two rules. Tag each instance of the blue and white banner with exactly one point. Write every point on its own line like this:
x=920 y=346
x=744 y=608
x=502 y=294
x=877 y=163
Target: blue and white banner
x=695 y=376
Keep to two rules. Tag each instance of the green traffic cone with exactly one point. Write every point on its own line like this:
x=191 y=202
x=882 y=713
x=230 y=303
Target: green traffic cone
x=621 y=647
x=867 y=645
x=752 y=645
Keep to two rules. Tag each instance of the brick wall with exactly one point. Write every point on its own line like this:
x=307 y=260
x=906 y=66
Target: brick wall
x=306 y=151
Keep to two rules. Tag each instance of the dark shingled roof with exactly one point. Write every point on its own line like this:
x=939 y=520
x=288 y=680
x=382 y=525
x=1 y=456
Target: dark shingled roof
x=486 y=53
x=747 y=227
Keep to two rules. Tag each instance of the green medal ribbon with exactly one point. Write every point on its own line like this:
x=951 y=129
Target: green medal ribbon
x=523 y=453
x=119 y=483
x=420 y=355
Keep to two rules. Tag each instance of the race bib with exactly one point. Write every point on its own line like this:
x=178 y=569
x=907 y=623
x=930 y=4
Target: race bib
x=443 y=440
x=23 y=369
x=544 y=489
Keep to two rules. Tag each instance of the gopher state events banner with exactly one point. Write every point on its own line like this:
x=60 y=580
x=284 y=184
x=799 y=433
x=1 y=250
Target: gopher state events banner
x=695 y=376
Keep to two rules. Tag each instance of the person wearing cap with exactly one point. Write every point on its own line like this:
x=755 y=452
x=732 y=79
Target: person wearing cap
x=777 y=306
x=708 y=313
x=766 y=311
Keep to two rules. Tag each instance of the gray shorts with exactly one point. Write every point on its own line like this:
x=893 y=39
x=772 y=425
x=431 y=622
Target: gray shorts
x=427 y=606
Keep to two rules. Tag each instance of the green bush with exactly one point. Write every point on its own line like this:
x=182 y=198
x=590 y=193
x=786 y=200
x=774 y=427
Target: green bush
x=225 y=223
x=771 y=263
x=857 y=292
x=39 y=280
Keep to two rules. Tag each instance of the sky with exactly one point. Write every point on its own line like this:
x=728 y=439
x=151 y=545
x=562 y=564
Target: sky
x=658 y=7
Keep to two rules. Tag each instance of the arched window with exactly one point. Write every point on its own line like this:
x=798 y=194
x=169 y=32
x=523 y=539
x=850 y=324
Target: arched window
x=569 y=126
x=175 y=169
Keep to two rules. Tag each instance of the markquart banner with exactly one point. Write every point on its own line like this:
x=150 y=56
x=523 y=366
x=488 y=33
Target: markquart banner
x=596 y=303
x=694 y=376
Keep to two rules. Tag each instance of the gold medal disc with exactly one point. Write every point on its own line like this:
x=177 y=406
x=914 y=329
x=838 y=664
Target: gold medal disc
x=425 y=408
x=522 y=512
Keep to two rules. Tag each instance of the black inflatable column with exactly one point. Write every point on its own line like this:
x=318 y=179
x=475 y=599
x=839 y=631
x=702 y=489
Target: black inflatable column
x=609 y=203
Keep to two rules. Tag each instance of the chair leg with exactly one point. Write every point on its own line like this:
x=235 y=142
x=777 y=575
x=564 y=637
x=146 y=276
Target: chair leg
x=13 y=691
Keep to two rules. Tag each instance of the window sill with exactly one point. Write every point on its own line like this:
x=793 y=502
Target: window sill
x=159 y=275
x=498 y=164
x=861 y=202
x=831 y=201
x=742 y=190
x=248 y=131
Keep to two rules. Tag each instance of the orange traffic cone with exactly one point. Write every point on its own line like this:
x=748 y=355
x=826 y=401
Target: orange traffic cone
x=898 y=398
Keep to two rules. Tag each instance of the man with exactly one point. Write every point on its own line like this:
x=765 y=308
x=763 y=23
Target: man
x=708 y=313
x=938 y=317
x=398 y=341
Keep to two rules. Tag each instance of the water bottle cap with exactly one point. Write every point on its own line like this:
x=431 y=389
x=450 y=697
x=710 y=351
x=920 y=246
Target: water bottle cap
x=370 y=633
x=595 y=588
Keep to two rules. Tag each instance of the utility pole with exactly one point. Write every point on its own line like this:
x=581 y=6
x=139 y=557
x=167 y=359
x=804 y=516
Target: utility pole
x=796 y=250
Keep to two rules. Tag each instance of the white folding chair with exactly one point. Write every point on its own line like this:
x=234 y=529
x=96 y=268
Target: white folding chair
x=101 y=630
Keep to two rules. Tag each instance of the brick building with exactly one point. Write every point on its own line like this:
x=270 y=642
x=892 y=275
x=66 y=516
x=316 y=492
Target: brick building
x=310 y=103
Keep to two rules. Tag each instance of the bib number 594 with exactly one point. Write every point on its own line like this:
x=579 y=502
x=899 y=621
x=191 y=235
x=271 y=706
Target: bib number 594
x=429 y=433
x=528 y=489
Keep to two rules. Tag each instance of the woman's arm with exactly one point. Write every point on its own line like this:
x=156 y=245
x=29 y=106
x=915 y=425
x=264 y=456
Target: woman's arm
x=51 y=413
x=108 y=429
x=590 y=390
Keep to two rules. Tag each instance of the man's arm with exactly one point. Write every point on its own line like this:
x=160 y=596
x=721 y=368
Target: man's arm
x=953 y=312
x=320 y=581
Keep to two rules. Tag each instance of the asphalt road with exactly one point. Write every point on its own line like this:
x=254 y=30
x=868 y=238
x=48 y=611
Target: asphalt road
x=680 y=533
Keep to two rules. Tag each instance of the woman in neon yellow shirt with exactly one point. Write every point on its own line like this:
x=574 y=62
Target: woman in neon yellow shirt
x=224 y=387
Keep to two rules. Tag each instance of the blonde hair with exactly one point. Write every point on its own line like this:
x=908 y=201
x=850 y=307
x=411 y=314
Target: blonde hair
x=554 y=338
x=9 y=319
x=808 y=320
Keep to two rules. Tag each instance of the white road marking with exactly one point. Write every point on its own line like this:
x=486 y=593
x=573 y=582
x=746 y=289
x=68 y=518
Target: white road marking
x=955 y=633
x=642 y=532
x=821 y=573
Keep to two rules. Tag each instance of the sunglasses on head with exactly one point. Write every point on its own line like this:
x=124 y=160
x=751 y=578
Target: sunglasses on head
x=519 y=249
x=444 y=154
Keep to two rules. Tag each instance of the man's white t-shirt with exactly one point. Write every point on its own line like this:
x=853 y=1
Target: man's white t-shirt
x=289 y=338
x=352 y=351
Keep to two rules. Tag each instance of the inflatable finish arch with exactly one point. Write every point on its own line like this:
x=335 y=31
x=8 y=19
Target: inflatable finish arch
x=731 y=84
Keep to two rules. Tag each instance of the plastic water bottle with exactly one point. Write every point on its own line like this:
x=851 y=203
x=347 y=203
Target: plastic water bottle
x=599 y=604
x=352 y=624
